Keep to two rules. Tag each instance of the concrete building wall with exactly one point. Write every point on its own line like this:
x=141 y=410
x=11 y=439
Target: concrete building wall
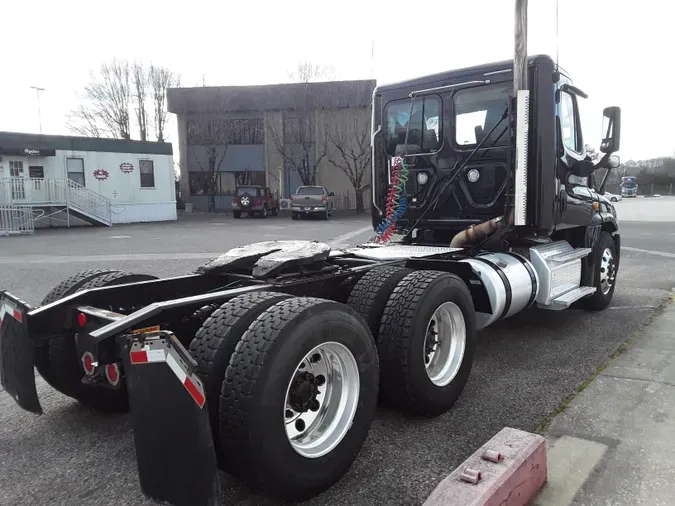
x=349 y=128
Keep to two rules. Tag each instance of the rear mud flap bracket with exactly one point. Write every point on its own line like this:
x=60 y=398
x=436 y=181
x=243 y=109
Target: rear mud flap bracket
x=17 y=375
x=174 y=447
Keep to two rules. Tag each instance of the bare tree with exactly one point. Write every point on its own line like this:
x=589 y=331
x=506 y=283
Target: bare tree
x=208 y=140
x=302 y=141
x=350 y=140
x=106 y=108
x=161 y=79
x=307 y=72
x=140 y=79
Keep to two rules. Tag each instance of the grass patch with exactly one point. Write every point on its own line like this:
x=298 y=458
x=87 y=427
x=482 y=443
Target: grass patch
x=623 y=347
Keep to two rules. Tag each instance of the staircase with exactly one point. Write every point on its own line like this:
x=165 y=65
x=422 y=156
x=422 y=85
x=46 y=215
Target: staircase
x=59 y=196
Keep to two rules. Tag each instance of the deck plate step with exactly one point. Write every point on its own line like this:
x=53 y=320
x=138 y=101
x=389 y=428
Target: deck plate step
x=570 y=256
x=567 y=299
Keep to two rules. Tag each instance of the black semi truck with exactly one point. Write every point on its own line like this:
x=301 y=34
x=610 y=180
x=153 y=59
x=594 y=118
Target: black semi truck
x=268 y=361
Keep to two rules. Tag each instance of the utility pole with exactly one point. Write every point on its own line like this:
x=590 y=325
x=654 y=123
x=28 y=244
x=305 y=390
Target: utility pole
x=520 y=48
x=38 y=90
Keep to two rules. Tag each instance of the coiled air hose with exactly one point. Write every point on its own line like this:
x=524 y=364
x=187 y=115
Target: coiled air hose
x=396 y=203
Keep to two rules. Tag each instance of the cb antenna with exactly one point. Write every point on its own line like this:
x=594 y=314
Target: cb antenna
x=557 y=43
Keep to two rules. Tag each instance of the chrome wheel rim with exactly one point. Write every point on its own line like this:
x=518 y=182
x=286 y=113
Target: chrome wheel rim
x=444 y=344
x=244 y=201
x=321 y=400
x=607 y=271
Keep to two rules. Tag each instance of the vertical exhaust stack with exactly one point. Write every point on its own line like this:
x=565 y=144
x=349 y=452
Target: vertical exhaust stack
x=522 y=94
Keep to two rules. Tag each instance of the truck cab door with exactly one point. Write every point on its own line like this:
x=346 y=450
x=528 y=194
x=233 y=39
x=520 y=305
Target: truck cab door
x=578 y=208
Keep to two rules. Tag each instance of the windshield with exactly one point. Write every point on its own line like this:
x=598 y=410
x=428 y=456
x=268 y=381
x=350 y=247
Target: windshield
x=629 y=183
x=479 y=109
x=424 y=135
x=251 y=190
x=310 y=190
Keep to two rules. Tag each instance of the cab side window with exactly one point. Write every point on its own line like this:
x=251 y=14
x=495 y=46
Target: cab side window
x=569 y=122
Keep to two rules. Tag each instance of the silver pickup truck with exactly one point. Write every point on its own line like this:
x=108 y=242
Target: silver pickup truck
x=312 y=200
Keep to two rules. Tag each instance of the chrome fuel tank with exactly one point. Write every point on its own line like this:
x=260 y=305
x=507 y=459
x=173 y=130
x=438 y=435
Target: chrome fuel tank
x=511 y=283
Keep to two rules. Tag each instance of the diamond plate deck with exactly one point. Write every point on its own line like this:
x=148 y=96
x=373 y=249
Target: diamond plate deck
x=399 y=251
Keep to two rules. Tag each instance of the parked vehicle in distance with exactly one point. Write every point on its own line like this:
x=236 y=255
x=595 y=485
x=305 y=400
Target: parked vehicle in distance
x=254 y=200
x=628 y=186
x=312 y=200
x=612 y=197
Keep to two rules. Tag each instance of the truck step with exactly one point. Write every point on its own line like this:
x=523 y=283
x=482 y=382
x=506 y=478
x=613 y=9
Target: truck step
x=567 y=299
x=563 y=258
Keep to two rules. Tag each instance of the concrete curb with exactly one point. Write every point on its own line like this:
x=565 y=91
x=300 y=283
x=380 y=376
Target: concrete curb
x=510 y=469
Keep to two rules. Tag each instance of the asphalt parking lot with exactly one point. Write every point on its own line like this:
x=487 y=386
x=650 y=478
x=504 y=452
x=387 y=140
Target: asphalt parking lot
x=524 y=368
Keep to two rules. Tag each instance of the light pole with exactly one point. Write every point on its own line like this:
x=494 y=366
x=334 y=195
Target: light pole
x=38 y=90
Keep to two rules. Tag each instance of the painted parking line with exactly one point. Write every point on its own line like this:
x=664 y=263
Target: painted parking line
x=665 y=254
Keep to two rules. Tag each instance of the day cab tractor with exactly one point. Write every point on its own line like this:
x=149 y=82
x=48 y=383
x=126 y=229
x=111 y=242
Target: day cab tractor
x=268 y=361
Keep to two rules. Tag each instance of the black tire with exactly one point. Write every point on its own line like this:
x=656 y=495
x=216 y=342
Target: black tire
x=404 y=381
x=275 y=211
x=215 y=342
x=263 y=213
x=294 y=216
x=67 y=287
x=371 y=293
x=236 y=215
x=324 y=216
x=599 y=300
x=68 y=369
x=252 y=401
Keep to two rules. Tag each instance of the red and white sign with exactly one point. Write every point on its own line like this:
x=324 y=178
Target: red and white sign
x=126 y=167
x=101 y=174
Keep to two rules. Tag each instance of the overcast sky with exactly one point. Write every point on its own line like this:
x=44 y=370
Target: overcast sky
x=620 y=53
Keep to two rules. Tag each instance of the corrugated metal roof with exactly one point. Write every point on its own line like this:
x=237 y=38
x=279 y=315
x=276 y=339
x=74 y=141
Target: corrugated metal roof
x=322 y=95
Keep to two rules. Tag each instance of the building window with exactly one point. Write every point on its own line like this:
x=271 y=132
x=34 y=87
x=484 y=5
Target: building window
x=225 y=183
x=147 y=170
x=75 y=170
x=226 y=132
x=15 y=169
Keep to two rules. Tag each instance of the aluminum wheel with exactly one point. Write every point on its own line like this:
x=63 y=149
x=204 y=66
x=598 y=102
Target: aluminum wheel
x=607 y=271
x=245 y=201
x=444 y=344
x=321 y=400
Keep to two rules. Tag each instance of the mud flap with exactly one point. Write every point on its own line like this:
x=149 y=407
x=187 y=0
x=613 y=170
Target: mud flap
x=17 y=375
x=174 y=446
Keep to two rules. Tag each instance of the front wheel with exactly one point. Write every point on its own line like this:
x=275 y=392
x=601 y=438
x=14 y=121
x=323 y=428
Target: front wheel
x=426 y=342
x=605 y=261
x=303 y=379
x=236 y=215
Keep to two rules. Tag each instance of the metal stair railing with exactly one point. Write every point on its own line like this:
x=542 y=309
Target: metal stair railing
x=87 y=201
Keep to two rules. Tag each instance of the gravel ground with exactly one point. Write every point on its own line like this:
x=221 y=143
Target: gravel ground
x=524 y=368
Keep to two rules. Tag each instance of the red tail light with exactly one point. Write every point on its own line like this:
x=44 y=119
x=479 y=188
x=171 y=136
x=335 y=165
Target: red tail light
x=81 y=319
x=235 y=200
x=323 y=197
x=291 y=197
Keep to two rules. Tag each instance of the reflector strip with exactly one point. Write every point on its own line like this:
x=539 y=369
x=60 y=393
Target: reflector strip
x=196 y=394
x=176 y=368
x=14 y=313
x=155 y=350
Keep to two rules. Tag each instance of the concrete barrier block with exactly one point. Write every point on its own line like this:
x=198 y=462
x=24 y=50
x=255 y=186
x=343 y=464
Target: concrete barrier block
x=509 y=470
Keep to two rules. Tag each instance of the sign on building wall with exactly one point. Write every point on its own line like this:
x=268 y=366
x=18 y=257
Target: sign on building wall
x=126 y=167
x=101 y=174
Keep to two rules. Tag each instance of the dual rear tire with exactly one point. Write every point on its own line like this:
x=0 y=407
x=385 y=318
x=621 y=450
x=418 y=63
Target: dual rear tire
x=425 y=329
x=299 y=373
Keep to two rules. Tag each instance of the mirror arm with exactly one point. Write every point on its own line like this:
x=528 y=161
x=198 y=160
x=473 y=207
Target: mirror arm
x=602 y=161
